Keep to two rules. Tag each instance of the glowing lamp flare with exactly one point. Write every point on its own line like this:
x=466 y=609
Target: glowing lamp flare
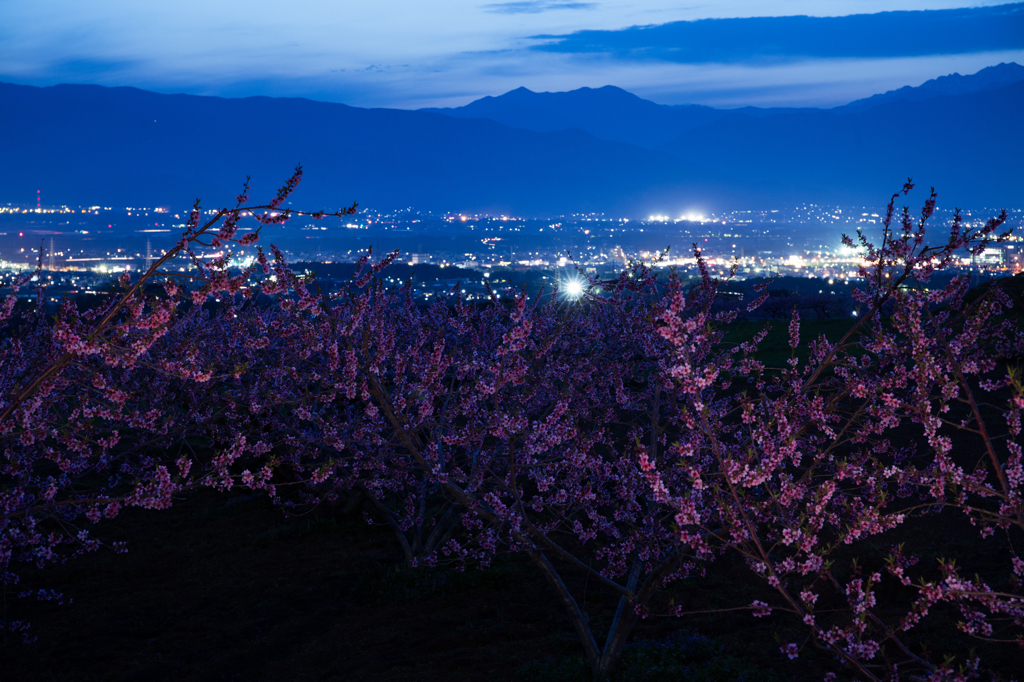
x=574 y=288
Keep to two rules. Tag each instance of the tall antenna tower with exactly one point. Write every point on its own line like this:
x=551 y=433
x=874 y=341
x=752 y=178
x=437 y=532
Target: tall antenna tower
x=50 y=260
x=149 y=255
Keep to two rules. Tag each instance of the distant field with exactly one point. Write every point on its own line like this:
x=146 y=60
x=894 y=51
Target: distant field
x=774 y=351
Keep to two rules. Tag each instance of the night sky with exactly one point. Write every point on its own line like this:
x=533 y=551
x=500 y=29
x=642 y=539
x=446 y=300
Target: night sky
x=411 y=54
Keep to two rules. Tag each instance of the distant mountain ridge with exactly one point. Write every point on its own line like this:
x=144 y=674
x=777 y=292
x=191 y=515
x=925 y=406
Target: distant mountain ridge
x=85 y=145
x=968 y=146
x=989 y=78
x=611 y=113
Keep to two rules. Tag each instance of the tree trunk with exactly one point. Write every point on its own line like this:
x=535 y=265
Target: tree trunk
x=603 y=661
x=579 y=619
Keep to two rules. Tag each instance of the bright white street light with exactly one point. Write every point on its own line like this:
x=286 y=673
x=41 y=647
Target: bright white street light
x=574 y=288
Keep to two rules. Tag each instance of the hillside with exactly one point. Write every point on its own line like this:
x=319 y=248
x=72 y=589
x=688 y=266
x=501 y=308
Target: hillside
x=122 y=146
x=967 y=146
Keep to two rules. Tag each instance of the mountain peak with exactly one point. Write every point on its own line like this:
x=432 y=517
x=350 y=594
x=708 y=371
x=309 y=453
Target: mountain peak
x=607 y=112
x=605 y=91
x=989 y=78
x=998 y=75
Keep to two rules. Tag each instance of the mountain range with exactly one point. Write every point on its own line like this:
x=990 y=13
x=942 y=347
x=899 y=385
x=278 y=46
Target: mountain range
x=527 y=153
x=611 y=113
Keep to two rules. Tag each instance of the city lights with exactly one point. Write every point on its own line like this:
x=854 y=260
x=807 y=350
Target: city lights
x=511 y=253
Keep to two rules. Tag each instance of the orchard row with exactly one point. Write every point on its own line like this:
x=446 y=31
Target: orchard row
x=614 y=434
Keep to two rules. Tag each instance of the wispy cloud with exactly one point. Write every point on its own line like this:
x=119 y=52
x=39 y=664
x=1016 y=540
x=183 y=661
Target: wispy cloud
x=535 y=6
x=869 y=36
x=411 y=54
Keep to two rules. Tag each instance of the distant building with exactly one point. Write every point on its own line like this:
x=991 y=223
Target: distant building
x=993 y=256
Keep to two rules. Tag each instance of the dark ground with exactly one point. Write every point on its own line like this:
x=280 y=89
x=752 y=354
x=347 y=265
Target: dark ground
x=217 y=589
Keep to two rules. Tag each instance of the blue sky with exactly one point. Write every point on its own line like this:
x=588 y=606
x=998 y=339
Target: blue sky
x=412 y=53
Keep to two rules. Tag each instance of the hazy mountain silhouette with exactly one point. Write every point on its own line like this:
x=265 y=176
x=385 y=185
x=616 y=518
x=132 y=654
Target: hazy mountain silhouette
x=968 y=146
x=611 y=113
x=85 y=145
x=122 y=146
x=989 y=78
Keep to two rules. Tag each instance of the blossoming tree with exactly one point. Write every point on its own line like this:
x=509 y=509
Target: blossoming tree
x=618 y=436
